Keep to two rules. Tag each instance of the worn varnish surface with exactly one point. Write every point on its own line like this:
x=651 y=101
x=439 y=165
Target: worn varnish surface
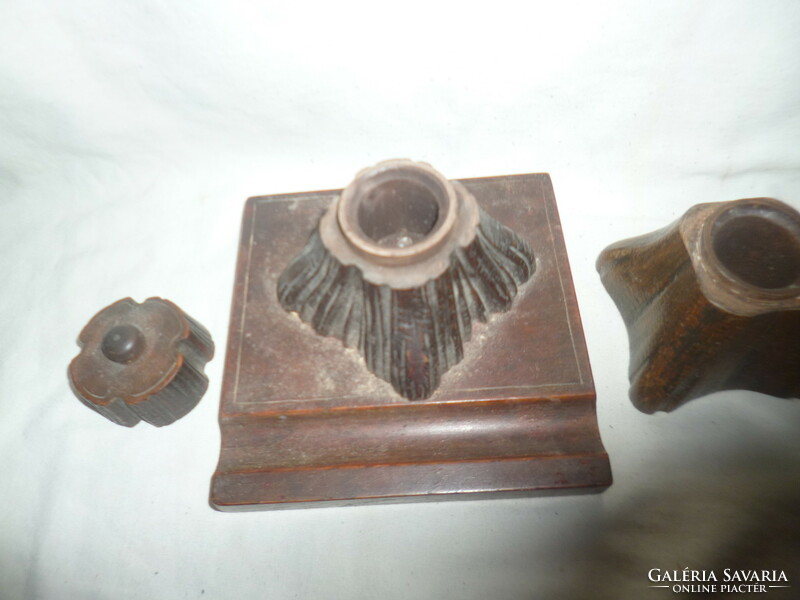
x=711 y=303
x=304 y=422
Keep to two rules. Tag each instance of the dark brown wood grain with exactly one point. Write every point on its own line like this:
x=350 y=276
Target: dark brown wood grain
x=305 y=423
x=711 y=303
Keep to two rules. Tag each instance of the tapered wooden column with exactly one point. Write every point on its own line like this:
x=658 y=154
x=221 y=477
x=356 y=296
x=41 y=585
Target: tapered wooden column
x=711 y=302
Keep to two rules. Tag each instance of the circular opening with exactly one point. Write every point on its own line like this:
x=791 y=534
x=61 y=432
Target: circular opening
x=122 y=344
x=759 y=246
x=399 y=212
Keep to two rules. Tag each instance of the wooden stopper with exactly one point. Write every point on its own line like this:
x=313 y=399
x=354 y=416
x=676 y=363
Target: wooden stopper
x=141 y=362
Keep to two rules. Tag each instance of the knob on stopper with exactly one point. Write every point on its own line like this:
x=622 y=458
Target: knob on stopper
x=141 y=361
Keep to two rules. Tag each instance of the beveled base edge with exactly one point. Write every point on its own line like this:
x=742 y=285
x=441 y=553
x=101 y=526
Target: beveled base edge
x=516 y=418
x=392 y=484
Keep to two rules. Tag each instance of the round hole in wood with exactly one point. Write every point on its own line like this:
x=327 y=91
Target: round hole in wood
x=397 y=213
x=759 y=245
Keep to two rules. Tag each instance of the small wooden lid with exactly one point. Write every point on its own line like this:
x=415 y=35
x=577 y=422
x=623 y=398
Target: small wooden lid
x=141 y=361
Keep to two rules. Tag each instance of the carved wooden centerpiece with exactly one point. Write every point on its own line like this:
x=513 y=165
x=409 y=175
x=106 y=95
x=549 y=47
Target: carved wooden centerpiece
x=406 y=338
x=400 y=267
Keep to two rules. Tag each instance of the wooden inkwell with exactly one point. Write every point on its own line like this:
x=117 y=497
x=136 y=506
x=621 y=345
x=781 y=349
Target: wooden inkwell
x=711 y=303
x=408 y=338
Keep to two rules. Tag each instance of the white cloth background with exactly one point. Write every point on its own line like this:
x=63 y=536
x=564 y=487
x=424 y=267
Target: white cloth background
x=132 y=132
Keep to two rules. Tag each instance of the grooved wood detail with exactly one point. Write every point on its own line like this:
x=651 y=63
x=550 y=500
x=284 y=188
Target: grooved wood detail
x=160 y=384
x=409 y=337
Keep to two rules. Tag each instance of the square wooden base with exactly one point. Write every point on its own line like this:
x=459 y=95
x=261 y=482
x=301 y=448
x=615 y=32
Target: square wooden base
x=304 y=422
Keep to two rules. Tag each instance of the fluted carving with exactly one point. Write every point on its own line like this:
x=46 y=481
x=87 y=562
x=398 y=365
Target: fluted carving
x=409 y=337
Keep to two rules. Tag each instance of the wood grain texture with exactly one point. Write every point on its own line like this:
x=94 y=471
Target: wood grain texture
x=305 y=423
x=711 y=302
x=409 y=337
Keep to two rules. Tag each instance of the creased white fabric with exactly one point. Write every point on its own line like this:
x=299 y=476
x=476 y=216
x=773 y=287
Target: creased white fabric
x=131 y=134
